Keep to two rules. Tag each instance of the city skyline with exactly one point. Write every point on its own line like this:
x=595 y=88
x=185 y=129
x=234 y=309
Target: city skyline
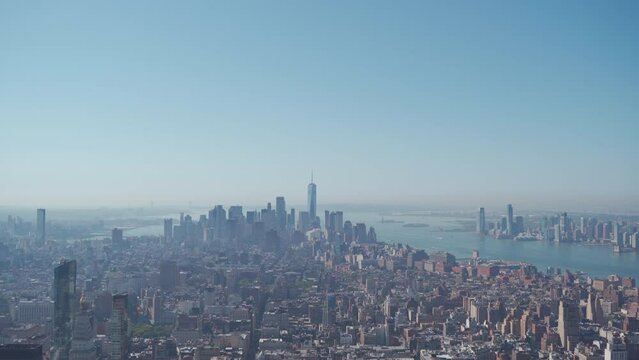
x=310 y=204
x=128 y=294
x=286 y=180
x=414 y=103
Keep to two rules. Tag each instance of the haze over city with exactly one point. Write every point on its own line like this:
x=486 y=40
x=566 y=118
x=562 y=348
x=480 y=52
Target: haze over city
x=426 y=104
x=319 y=180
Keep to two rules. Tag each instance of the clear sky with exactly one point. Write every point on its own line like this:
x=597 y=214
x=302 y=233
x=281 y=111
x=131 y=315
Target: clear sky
x=470 y=103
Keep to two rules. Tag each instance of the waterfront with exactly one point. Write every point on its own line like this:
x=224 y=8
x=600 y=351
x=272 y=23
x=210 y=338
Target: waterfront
x=446 y=234
x=449 y=233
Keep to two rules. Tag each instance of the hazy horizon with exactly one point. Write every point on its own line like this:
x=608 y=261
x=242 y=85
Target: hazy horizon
x=450 y=104
x=459 y=179
x=194 y=209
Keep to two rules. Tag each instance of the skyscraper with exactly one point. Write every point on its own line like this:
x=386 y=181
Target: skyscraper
x=518 y=227
x=557 y=229
x=291 y=220
x=327 y=220
x=82 y=341
x=594 y=312
x=280 y=210
x=236 y=212
x=329 y=313
x=339 y=221
x=64 y=297
x=304 y=221
x=168 y=275
x=481 y=221
x=312 y=200
x=616 y=350
x=217 y=220
x=616 y=234
x=118 y=328
x=564 y=227
x=568 y=325
x=168 y=230
x=360 y=234
x=41 y=226
x=348 y=232
x=116 y=236
x=509 y=219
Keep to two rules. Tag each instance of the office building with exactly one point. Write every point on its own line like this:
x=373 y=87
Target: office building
x=564 y=227
x=236 y=212
x=359 y=232
x=217 y=221
x=616 y=350
x=616 y=234
x=168 y=275
x=34 y=311
x=304 y=222
x=41 y=226
x=349 y=235
x=557 y=231
x=327 y=221
x=481 y=221
x=339 y=222
x=291 y=220
x=509 y=219
x=594 y=312
x=64 y=298
x=519 y=225
x=21 y=352
x=280 y=211
x=330 y=310
x=84 y=331
x=118 y=328
x=168 y=230
x=312 y=202
x=568 y=324
x=251 y=217
x=116 y=236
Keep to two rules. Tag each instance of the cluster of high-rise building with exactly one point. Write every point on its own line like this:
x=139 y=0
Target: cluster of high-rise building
x=268 y=227
x=507 y=226
x=16 y=227
x=276 y=284
x=623 y=236
x=37 y=233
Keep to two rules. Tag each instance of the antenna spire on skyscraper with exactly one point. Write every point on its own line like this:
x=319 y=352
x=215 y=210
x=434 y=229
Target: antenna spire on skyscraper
x=311 y=176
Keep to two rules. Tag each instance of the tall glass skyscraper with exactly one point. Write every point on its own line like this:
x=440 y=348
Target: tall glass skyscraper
x=481 y=221
x=118 y=327
x=509 y=219
x=312 y=201
x=64 y=297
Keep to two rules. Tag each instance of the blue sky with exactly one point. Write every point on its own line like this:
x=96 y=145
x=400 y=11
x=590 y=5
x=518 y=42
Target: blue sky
x=459 y=102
